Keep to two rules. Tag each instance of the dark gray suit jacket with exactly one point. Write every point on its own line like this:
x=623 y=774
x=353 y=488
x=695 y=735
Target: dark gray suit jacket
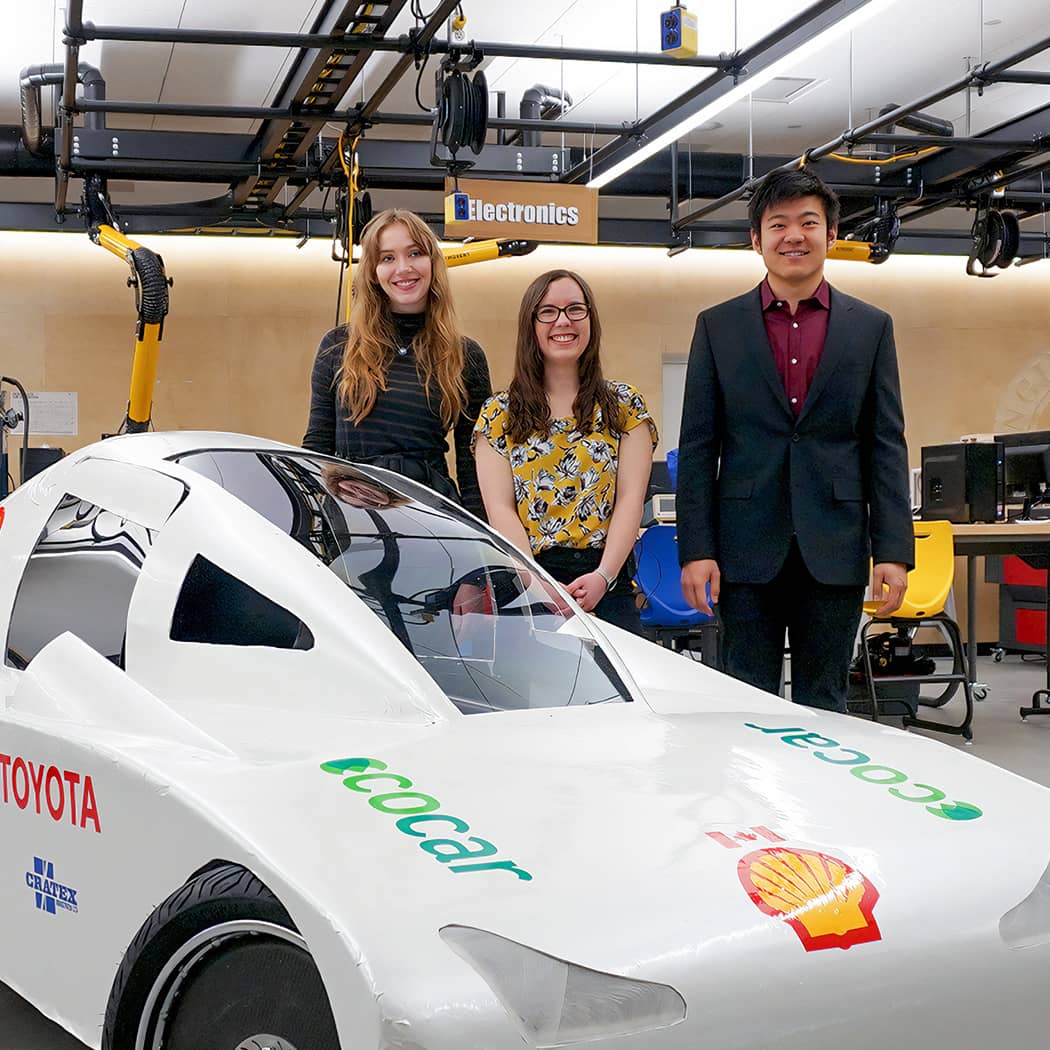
x=751 y=474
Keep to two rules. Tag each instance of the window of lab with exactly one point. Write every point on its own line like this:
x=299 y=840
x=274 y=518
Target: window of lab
x=217 y=608
x=79 y=578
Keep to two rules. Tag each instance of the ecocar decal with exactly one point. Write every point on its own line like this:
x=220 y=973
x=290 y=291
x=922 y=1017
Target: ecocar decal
x=60 y=793
x=860 y=765
x=828 y=903
x=415 y=811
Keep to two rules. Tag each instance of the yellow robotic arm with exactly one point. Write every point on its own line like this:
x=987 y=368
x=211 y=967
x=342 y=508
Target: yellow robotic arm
x=859 y=251
x=151 y=298
x=482 y=251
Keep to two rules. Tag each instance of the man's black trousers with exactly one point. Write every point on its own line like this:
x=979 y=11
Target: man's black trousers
x=821 y=621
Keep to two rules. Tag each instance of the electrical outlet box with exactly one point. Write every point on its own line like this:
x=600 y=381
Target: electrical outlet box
x=457 y=207
x=678 y=35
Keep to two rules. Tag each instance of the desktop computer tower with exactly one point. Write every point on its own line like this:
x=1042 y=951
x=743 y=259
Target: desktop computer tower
x=962 y=482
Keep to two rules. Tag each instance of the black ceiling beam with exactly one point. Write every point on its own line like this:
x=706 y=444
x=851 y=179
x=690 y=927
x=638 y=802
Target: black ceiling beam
x=388 y=164
x=855 y=136
x=424 y=38
x=965 y=161
x=851 y=137
x=554 y=125
x=954 y=142
x=436 y=19
x=186 y=109
x=782 y=41
x=318 y=81
x=212 y=218
x=1019 y=76
x=405 y=44
x=304 y=116
x=64 y=130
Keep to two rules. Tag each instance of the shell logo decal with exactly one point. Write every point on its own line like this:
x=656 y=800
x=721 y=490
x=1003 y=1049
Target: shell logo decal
x=828 y=903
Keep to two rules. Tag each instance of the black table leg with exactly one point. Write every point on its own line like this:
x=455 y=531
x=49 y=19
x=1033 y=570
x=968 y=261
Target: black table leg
x=980 y=689
x=1037 y=708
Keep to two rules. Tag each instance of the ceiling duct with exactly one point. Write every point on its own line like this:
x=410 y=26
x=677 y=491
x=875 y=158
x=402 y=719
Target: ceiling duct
x=33 y=78
x=540 y=102
x=920 y=123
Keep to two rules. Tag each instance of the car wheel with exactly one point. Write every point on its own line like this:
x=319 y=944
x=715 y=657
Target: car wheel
x=219 y=964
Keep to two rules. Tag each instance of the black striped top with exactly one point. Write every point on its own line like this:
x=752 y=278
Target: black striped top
x=404 y=418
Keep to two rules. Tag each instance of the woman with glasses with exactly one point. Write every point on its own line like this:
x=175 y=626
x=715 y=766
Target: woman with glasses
x=563 y=456
x=388 y=387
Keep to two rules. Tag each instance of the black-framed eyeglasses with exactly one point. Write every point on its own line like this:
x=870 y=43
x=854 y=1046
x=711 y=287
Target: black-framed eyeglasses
x=550 y=313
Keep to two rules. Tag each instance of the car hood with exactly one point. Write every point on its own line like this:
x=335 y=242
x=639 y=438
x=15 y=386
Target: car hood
x=685 y=849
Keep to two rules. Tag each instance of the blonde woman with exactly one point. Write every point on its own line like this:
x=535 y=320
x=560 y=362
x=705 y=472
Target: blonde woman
x=388 y=387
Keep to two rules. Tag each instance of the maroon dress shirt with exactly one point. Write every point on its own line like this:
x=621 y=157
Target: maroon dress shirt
x=797 y=340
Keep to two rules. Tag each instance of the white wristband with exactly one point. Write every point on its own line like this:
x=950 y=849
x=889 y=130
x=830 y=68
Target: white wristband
x=610 y=581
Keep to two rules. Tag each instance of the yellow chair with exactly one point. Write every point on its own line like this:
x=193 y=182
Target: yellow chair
x=929 y=585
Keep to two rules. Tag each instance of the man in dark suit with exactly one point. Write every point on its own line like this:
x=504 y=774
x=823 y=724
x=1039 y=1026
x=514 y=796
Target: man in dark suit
x=792 y=464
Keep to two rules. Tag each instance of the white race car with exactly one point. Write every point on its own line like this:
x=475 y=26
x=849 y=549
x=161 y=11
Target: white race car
x=297 y=755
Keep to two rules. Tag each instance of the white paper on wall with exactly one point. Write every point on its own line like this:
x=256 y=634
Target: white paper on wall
x=50 y=412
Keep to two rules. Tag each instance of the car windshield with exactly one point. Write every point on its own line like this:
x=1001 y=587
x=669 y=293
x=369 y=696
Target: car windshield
x=489 y=628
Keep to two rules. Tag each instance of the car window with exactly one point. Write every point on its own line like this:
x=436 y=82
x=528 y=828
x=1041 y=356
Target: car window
x=79 y=578
x=477 y=616
x=217 y=608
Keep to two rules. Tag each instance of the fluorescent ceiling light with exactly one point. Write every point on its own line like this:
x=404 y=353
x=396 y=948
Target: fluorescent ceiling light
x=746 y=86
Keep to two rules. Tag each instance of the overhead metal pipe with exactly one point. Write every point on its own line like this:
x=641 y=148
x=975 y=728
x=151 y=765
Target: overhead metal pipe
x=176 y=171
x=928 y=209
x=178 y=109
x=1020 y=77
x=501 y=112
x=33 y=78
x=74 y=23
x=967 y=142
x=404 y=44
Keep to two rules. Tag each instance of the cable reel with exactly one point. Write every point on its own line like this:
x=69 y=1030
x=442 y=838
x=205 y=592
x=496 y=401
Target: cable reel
x=462 y=114
x=996 y=240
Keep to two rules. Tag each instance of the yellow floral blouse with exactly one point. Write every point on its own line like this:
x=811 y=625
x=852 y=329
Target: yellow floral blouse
x=564 y=483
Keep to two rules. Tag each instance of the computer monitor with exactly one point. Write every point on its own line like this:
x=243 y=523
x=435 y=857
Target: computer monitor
x=1026 y=471
x=1026 y=466
x=961 y=482
x=659 y=478
x=37 y=459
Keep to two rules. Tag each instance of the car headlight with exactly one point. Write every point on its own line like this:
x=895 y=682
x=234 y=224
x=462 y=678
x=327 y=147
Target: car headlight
x=557 y=1002
x=1028 y=924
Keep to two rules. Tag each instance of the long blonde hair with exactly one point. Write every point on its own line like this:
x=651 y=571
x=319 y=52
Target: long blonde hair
x=371 y=336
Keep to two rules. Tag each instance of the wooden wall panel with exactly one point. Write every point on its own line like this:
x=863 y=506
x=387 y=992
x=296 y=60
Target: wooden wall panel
x=247 y=314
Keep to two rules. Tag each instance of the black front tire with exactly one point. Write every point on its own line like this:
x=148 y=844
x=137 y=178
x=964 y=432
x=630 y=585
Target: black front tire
x=219 y=964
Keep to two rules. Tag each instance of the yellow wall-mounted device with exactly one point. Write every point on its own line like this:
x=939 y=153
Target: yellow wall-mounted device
x=457 y=207
x=678 y=36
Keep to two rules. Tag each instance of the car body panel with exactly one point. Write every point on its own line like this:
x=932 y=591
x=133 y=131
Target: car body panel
x=637 y=839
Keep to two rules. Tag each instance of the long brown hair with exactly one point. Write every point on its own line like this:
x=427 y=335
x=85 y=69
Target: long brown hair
x=528 y=408
x=371 y=337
